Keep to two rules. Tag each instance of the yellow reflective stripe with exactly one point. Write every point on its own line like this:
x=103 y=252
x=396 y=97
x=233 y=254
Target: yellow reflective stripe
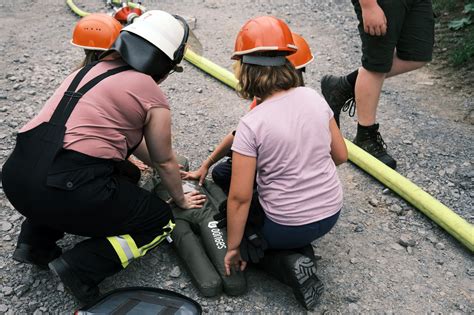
x=157 y=240
x=118 y=249
x=127 y=249
x=131 y=244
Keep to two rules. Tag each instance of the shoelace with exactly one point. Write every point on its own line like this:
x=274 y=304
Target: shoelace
x=379 y=146
x=350 y=106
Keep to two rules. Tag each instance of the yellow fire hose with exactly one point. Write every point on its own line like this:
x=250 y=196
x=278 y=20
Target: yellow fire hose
x=458 y=227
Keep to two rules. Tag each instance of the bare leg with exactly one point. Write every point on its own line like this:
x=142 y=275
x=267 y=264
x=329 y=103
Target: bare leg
x=367 y=92
x=369 y=85
x=400 y=66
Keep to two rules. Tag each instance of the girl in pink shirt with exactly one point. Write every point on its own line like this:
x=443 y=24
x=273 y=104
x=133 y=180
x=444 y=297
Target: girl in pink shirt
x=292 y=144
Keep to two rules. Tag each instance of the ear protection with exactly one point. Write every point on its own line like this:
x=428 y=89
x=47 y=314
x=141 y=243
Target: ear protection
x=179 y=53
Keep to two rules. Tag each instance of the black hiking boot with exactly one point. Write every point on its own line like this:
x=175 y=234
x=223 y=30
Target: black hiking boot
x=370 y=140
x=26 y=253
x=83 y=292
x=339 y=94
x=298 y=271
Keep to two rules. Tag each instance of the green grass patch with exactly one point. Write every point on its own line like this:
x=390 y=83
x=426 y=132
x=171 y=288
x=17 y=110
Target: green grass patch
x=458 y=17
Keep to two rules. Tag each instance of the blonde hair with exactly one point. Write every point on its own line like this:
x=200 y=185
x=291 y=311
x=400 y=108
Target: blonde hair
x=263 y=81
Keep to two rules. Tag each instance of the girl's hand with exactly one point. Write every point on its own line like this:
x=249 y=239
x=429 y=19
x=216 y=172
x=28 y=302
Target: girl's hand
x=232 y=260
x=192 y=200
x=200 y=174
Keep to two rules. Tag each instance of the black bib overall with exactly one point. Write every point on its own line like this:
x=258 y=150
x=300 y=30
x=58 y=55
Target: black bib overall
x=60 y=190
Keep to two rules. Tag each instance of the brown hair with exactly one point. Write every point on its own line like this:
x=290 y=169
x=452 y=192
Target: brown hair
x=91 y=56
x=263 y=81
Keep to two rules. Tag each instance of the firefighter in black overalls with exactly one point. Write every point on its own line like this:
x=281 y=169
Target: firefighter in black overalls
x=60 y=190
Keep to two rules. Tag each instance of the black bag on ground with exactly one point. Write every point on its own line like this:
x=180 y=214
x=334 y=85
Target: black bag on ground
x=142 y=300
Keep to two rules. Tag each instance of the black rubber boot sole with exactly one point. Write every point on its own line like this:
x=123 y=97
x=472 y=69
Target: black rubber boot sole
x=81 y=291
x=307 y=287
x=25 y=253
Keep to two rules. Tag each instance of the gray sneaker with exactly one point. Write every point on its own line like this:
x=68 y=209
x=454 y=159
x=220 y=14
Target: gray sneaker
x=339 y=94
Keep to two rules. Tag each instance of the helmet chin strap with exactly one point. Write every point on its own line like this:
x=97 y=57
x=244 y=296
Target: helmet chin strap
x=264 y=61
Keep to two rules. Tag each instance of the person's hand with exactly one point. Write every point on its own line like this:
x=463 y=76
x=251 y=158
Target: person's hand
x=375 y=22
x=200 y=174
x=138 y=163
x=232 y=260
x=192 y=200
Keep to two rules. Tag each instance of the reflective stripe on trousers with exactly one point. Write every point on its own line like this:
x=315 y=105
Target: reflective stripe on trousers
x=127 y=250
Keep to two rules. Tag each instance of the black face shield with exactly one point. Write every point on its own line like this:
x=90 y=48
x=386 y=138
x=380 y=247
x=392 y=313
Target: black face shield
x=142 y=55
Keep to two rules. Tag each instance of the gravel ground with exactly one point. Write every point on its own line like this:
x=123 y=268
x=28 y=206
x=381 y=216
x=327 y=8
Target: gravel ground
x=383 y=256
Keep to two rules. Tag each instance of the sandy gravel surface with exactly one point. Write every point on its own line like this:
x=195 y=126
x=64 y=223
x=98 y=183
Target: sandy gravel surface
x=383 y=256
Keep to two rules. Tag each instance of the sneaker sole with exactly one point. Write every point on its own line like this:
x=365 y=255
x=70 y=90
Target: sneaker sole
x=310 y=288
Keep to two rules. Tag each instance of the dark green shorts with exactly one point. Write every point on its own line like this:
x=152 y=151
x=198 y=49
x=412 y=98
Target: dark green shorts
x=410 y=30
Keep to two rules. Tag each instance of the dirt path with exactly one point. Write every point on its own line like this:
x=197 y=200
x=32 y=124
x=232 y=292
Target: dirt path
x=364 y=266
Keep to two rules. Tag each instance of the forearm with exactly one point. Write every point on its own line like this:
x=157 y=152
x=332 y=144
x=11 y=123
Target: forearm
x=220 y=151
x=169 y=174
x=237 y=213
x=365 y=4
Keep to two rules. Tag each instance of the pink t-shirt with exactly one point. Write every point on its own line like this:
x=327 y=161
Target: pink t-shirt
x=109 y=119
x=296 y=177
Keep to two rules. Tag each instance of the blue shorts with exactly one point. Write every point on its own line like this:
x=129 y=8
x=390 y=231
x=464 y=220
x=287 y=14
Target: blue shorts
x=289 y=237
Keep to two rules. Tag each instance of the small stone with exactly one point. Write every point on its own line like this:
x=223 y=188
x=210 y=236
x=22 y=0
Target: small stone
x=38 y=312
x=199 y=90
x=374 y=202
x=15 y=217
x=60 y=287
x=406 y=241
x=210 y=149
x=182 y=286
x=3 y=109
x=352 y=297
x=359 y=228
x=470 y=272
x=169 y=284
x=354 y=261
x=175 y=272
x=229 y=308
x=430 y=83
x=449 y=274
x=204 y=303
x=3 y=308
x=21 y=290
x=410 y=250
x=7 y=238
x=440 y=246
x=19 y=98
x=3 y=97
x=353 y=308
x=396 y=209
x=5 y=226
x=397 y=246
x=7 y=291
x=386 y=191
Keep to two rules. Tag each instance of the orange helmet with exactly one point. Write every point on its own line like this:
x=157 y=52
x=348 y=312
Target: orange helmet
x=96 y=31
x=264 y=33
x=303 y=56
